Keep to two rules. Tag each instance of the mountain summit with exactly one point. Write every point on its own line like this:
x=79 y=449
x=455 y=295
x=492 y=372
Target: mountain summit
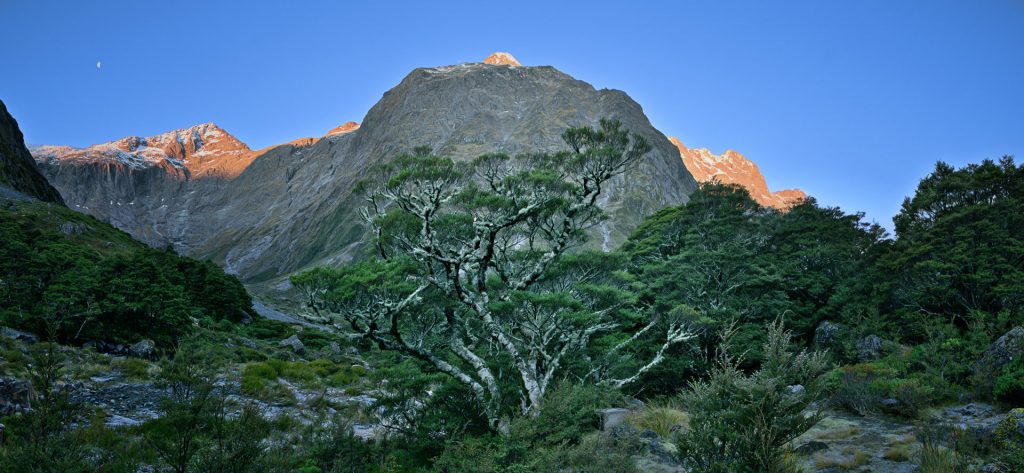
x=733 y=168
x=292 y=206
x=204 y=150
x=501 y=59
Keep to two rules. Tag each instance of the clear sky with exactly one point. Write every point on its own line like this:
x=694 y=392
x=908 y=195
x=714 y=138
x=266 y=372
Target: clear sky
x=852 y=101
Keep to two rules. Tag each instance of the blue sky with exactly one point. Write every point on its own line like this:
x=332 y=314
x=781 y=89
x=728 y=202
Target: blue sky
x=850 y=101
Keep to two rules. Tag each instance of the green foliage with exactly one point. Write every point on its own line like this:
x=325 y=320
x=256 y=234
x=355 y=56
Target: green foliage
x=65 y=271
x=1009 y=386
x=958 y=247
x=727 y=261
x=558 y=438
x=261 y=378
x=743 y=422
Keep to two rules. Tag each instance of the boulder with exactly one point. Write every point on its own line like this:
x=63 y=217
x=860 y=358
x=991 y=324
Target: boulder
x=797 y=389
x=15 y=396
x=612 y=418
x=869 y=348
x=18 y=335
x=144 y=349
x=826 y=333
x=1002 y=352
x=295 y=344
x=248 y=343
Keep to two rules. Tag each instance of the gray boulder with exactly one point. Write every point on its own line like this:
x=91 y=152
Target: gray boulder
x=144 y=349
x=295 y=344
x=826 y=333
x=869 y=348
x=612 y=418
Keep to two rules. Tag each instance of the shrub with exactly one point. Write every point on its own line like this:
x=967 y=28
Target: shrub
x=1009 y=385
x=743 y=422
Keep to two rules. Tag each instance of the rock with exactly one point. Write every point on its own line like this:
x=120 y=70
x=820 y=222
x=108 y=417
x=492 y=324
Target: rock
x=295 y=344
x=15 y=396
x=68 y=228
x=797 y=389
x=144 y=349
x=115 y=421
x=612 y=418
x=869 y=348
x=811 y=447
x=826 y=333
x=889 y=403
x=18 y=335
x=248 y=343
x=18 y=170
x=1002 y=352
x=335 y=348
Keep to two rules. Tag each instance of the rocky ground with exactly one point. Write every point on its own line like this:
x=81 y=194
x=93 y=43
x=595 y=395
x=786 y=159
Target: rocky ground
x=840 y=442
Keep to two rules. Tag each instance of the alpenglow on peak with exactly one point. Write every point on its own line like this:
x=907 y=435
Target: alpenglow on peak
x=502 y=59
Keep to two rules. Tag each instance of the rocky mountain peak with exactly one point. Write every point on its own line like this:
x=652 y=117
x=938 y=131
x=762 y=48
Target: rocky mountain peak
x=204 y=150
x=502 y=59
x=346 y=127
x=731 y=167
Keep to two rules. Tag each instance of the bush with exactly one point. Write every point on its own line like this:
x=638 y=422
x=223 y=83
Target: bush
x=1009 y=385
x=743 y=422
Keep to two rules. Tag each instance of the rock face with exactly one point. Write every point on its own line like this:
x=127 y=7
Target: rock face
x=346 y=127
x=501 y=59
x=292 y=205
x=18 y=170
x=733 y=168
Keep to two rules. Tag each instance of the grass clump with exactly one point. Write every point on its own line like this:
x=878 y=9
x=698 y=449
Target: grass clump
x=896 y=453
x=846 y=462
x=663 y=419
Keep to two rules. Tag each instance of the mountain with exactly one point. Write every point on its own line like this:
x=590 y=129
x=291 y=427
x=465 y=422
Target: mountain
x=733 y=168
x=192 y=153
x=18 y=171
x=291 y=206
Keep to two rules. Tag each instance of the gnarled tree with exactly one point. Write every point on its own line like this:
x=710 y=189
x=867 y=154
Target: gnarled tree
x=474 y=273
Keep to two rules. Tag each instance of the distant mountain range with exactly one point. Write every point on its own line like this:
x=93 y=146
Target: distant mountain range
x=733 y=168
x=266 y=213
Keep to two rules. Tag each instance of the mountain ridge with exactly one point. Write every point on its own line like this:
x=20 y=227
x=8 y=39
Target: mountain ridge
x=292 y=205
x=731 y=167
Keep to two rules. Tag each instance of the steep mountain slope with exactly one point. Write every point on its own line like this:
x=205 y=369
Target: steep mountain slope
x=733 y=168
x=292 y=206
x=18 y=171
